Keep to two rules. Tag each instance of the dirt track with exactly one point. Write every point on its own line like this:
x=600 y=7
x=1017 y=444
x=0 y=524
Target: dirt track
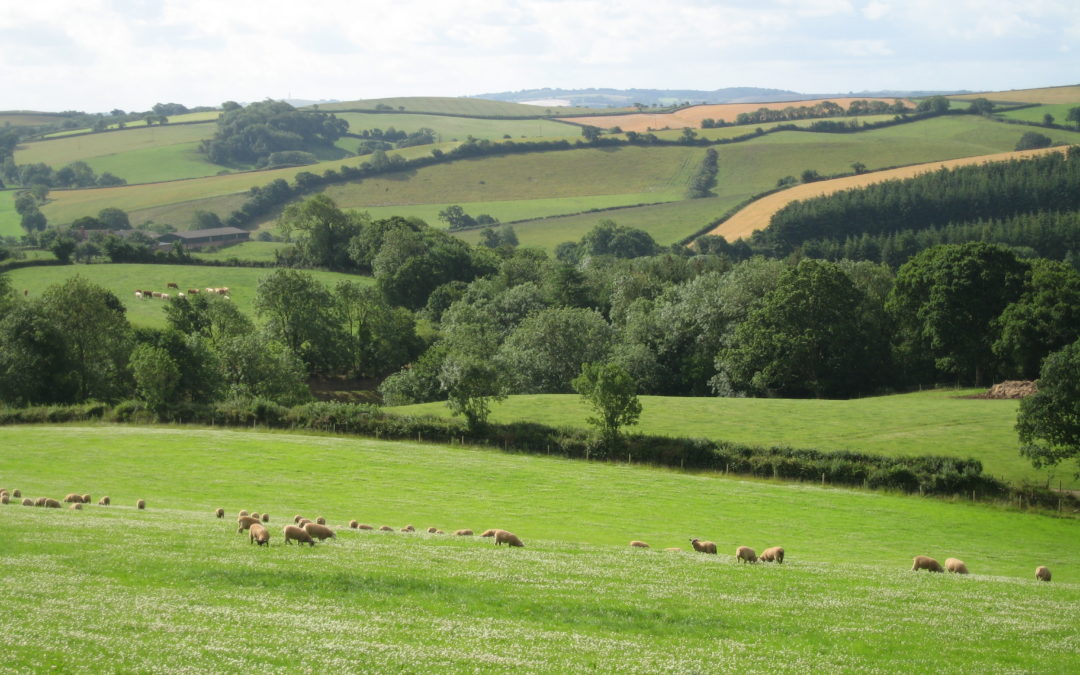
x=756 y=215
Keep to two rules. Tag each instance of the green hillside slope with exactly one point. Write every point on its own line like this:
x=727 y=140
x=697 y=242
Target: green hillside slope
x=927 y=423
x=844 y=599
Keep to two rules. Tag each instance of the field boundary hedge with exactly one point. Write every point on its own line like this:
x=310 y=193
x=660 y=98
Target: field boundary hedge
x=922 y=474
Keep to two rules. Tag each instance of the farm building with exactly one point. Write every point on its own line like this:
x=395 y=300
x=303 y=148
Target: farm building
x=217 y=236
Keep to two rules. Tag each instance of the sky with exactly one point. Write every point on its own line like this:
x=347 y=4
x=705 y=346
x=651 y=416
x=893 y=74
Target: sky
x=97 y=55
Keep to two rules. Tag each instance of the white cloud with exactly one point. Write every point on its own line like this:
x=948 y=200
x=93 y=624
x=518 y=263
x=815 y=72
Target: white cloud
x=100 y=54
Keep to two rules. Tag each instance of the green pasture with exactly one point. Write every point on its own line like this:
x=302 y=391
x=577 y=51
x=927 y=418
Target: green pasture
x=939 y=422
x=437 y=105
x=458 y=128
x=667 y=222
x=572 y=173
x=123 y=280
x=9 y=218
x=1059 y=110
x=520 y=209
x=60 y=151
x=189 y=118
x=118 y=589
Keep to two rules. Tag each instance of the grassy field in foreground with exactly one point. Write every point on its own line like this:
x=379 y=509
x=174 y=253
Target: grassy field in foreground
x=122 y=280
x=925 y=423
x=116 y=589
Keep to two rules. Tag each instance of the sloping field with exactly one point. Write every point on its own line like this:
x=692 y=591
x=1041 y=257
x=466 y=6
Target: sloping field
x=60 y=151
x=667 y=222
x=927 y=423
x=1066 y=94
x=1058 y=110
x=756 y=216
x=474 y=107
x=458 y=128
x=9 y=218
x=189 y=118
x=123 y=280
x=692 y=116
x=27 y=119
x=171 y=587
x=572 y=173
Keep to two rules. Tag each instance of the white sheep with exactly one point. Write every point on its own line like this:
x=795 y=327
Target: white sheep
x=320 y=531
x=294 y=533
x=259 y=535
x=509 y=538
x=925 y=562
x=773 y=554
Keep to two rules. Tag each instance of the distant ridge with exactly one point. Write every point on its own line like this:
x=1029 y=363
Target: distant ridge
x=622 y=98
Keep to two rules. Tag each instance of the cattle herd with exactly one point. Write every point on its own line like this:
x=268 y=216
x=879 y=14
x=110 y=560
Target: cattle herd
x=143 y=294
x=306 y=531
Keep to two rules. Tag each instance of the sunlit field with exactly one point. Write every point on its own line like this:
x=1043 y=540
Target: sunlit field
x=173 y=588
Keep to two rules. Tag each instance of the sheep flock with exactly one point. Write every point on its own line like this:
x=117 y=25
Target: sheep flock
x=306 y=531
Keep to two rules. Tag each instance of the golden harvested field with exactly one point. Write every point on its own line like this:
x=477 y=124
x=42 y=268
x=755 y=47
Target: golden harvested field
x=1069 y=94
x=692 y=116
x=756 y=216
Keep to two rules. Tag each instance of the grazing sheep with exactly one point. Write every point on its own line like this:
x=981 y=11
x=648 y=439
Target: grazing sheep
x=353 y=524
x=745 y=554
x=244 y=522
x=774 y=554
x=303 y=521
x=294 y=533
x=220 y=513
x=255 y=515
x=40 y=501
x=408 y=528
x=4 y=498
x=180 y=294
x=703 y=546
x=432 y=530
x=141 y=504
x=1042 y=573
x=386 y=528
x=266 y=518
x=259 y=535
x=319 y=531
x=52 y=504
x=956 y=566
x=638 y=544
x=297 y=518
x=155 y=294
x=509 y=538
x=243 y=512
x=924 y=562
x=488 y=533
x=27 y=501
x=464 y=533
x=192 y=291
x=77 y=506
x=172 y=284
x=320 y=520
x=73 y=498
x=104 y=501
x=16 y=494
x=86 y=499
x=363 y=526
x=138 y=295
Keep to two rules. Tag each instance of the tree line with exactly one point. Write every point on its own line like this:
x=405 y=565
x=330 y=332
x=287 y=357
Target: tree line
x=1050 y=182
